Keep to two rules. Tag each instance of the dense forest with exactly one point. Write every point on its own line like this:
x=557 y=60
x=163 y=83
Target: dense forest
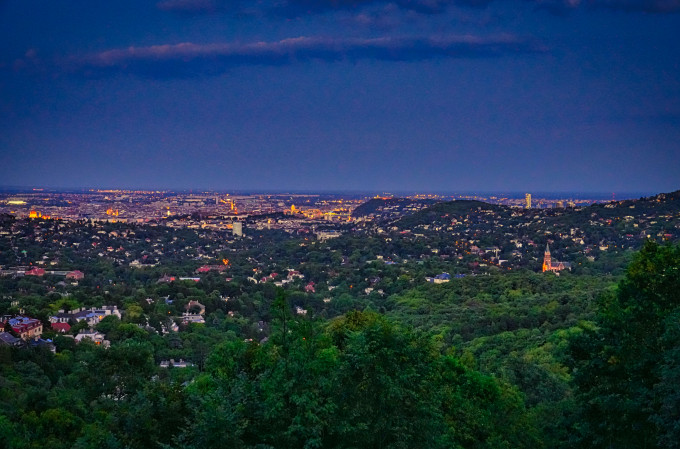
x=368 y=380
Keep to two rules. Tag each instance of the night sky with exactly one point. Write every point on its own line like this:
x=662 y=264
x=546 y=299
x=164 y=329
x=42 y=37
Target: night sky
x=402 y=95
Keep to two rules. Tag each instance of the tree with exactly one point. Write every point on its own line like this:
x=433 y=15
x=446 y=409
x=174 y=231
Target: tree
x=385 y=385
x=625 y=369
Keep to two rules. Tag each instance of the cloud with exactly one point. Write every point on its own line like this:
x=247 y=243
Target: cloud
x=190 y=59
x=27 y=63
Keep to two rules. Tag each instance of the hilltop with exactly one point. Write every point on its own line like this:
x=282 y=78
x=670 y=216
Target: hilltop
x=473 y=236
x=444 y=211
x=386 y=208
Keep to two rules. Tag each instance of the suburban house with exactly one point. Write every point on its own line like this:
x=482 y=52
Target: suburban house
x=97 y=337
x=61 y=327
x=92 y=316
x=175 y=363
x=8 y=339
x=75 y=275
x=26 y=328
x=440 y=278
x=207 y=268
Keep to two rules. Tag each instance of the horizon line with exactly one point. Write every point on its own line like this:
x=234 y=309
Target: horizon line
x=410 y=192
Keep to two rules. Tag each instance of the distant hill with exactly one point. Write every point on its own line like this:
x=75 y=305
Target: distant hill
x=443 y=212
x=390 y=207
x=663 y=204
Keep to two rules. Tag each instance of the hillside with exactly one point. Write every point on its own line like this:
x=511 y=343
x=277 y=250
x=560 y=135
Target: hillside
x=390 y=207
x=441 y=213
x=272 y=340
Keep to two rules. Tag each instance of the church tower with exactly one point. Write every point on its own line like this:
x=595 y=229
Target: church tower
x=547 y=260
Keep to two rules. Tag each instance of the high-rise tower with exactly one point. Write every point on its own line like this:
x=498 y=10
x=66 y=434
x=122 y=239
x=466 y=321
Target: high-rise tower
x=527 y=199
x=237 y=229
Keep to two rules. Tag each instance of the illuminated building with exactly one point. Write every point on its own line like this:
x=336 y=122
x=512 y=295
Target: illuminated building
x=527 y=199
x=553 y=265
x=227 y=201
x=312 y=213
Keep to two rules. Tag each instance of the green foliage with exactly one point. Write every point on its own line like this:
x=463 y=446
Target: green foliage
x=626 y=369
x=498 y=358
x=362 y=382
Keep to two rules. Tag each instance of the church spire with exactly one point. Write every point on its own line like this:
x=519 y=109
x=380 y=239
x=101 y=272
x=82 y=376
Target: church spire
x=547 y=260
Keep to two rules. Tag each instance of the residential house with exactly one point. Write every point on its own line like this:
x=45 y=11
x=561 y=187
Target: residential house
x=207 y=268
x=175 y=364
x=191 y=318
x=8 y=339
x=439 y=279
x=92 y=316
x=75 y=275
x=25 y=327
x=61 y=327
x=165 y=279
x=97 y=337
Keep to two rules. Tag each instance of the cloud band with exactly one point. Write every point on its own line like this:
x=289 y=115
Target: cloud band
x=190 y=59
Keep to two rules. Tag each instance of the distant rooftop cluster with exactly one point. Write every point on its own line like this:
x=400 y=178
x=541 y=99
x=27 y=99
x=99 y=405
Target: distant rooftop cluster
x=142 y=206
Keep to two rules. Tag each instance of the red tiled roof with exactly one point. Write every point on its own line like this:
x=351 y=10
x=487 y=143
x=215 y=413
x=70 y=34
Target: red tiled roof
x=61 y=327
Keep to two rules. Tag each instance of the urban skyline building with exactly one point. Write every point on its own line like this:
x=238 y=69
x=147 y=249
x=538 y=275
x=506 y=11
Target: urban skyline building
x=237 y=229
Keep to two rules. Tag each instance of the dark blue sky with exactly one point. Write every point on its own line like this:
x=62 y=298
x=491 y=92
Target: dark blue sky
x=427 y=95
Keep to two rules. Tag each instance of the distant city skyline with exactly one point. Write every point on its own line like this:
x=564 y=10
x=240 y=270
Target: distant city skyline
x=145 y=205
x=369 y=95
x=535 y=195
